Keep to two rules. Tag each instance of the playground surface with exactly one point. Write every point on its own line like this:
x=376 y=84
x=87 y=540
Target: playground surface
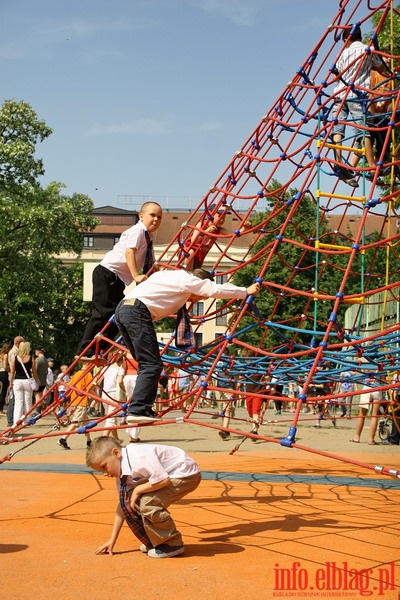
x=268 y=521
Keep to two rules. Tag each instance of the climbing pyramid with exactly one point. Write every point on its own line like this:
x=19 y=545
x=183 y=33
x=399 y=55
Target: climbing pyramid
x=330 y=293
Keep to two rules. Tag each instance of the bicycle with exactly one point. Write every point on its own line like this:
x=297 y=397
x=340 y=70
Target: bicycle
x=384 y=427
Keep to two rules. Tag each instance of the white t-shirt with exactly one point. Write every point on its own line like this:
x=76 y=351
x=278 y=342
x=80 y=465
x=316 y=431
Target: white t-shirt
x=110 y=381
x=354 y=65
x=156 y=462
x=165 y=292
x=115 y=260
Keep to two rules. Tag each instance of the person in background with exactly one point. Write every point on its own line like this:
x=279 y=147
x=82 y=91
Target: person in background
x=4 y=378
x=63 y=378
x=204 y=235
x=111 y=391
x=82 y=380
x=49 y=381
x=11 y=355
x=370 y=398
x=127 y=377
x=354 y=67
x=41 y=369
x=22 y=367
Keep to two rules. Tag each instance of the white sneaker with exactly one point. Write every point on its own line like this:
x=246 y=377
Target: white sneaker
x=143 y=548
x=165 y=551
x=140 y=418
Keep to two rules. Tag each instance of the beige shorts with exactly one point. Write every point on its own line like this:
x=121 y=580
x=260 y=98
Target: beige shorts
x=369 y=397
x=222 y=396
x=79 y=414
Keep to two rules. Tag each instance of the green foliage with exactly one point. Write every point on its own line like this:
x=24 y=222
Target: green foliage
x=292 y=266
x=389 y=35
x=40 y=297
x=389 y=42
x=20 y=132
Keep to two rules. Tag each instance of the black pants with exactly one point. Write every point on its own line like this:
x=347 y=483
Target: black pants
x=108 y=291
x=137 y=329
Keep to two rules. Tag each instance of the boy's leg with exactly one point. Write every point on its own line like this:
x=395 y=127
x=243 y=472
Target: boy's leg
x=137 y=328
x=132 y=516
x=157 y=520
x=108 y=291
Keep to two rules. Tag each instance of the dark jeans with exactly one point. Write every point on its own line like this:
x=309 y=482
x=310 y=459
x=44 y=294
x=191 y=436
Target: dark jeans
x=10 y=408
x=108 y=291
x=136 y=327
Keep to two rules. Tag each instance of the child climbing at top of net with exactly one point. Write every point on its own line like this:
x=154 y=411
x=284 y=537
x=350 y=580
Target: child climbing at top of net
x=210 y=225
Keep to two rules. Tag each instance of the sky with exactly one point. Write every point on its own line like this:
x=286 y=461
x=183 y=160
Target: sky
x=151 y=97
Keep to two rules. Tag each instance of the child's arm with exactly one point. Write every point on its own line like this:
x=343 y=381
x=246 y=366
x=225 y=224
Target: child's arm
x=147 y=488
x=245 y=227
x=130 y=255
x=107 y=547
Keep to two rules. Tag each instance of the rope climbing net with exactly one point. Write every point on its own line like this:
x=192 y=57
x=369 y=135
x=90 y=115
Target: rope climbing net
x=323 y=230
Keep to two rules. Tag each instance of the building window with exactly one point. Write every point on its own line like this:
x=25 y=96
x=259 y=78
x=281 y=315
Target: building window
x=116 y=239
x=199 y=339
x=88 y=241
x=198 y=309
x=221 y=279
x=222 y=316
x=222 y=319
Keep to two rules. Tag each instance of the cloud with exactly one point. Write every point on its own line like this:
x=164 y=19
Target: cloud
x=211 y=126
x=145 y=126
x=38 y=36
x=154 y=127
x=240 y=12
x=89 y=27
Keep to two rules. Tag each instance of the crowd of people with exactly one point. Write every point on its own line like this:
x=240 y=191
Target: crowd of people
x=25 y=375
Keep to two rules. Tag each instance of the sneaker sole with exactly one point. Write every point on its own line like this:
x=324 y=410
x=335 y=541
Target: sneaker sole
x=351 y=182
x=140 y=418
x=152 y=554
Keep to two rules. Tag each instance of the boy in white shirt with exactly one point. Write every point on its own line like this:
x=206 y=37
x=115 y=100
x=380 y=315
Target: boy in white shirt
x=121 y=266
x=161 y=295
x=150 y=478
x=354 y=66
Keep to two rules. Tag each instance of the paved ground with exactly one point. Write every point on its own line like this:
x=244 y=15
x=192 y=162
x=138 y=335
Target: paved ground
x=267 y=521
x=204 y=437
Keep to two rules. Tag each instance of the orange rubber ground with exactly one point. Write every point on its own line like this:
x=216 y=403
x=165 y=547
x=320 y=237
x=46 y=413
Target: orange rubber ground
x=262 y=524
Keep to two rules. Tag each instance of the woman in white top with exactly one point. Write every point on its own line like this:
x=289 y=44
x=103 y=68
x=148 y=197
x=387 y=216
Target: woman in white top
x=22 y=367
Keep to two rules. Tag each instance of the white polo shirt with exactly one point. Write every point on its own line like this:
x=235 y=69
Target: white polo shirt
x=165 y=292
x=354 y=65
x=156 y=462
x=115 y=260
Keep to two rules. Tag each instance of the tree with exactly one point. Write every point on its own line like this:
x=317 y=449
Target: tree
x=293 y=267
x=389 y=35
x=40 y=296
x=20 y=132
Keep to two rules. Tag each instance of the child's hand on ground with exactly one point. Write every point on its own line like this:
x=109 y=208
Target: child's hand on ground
x=106 y=548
